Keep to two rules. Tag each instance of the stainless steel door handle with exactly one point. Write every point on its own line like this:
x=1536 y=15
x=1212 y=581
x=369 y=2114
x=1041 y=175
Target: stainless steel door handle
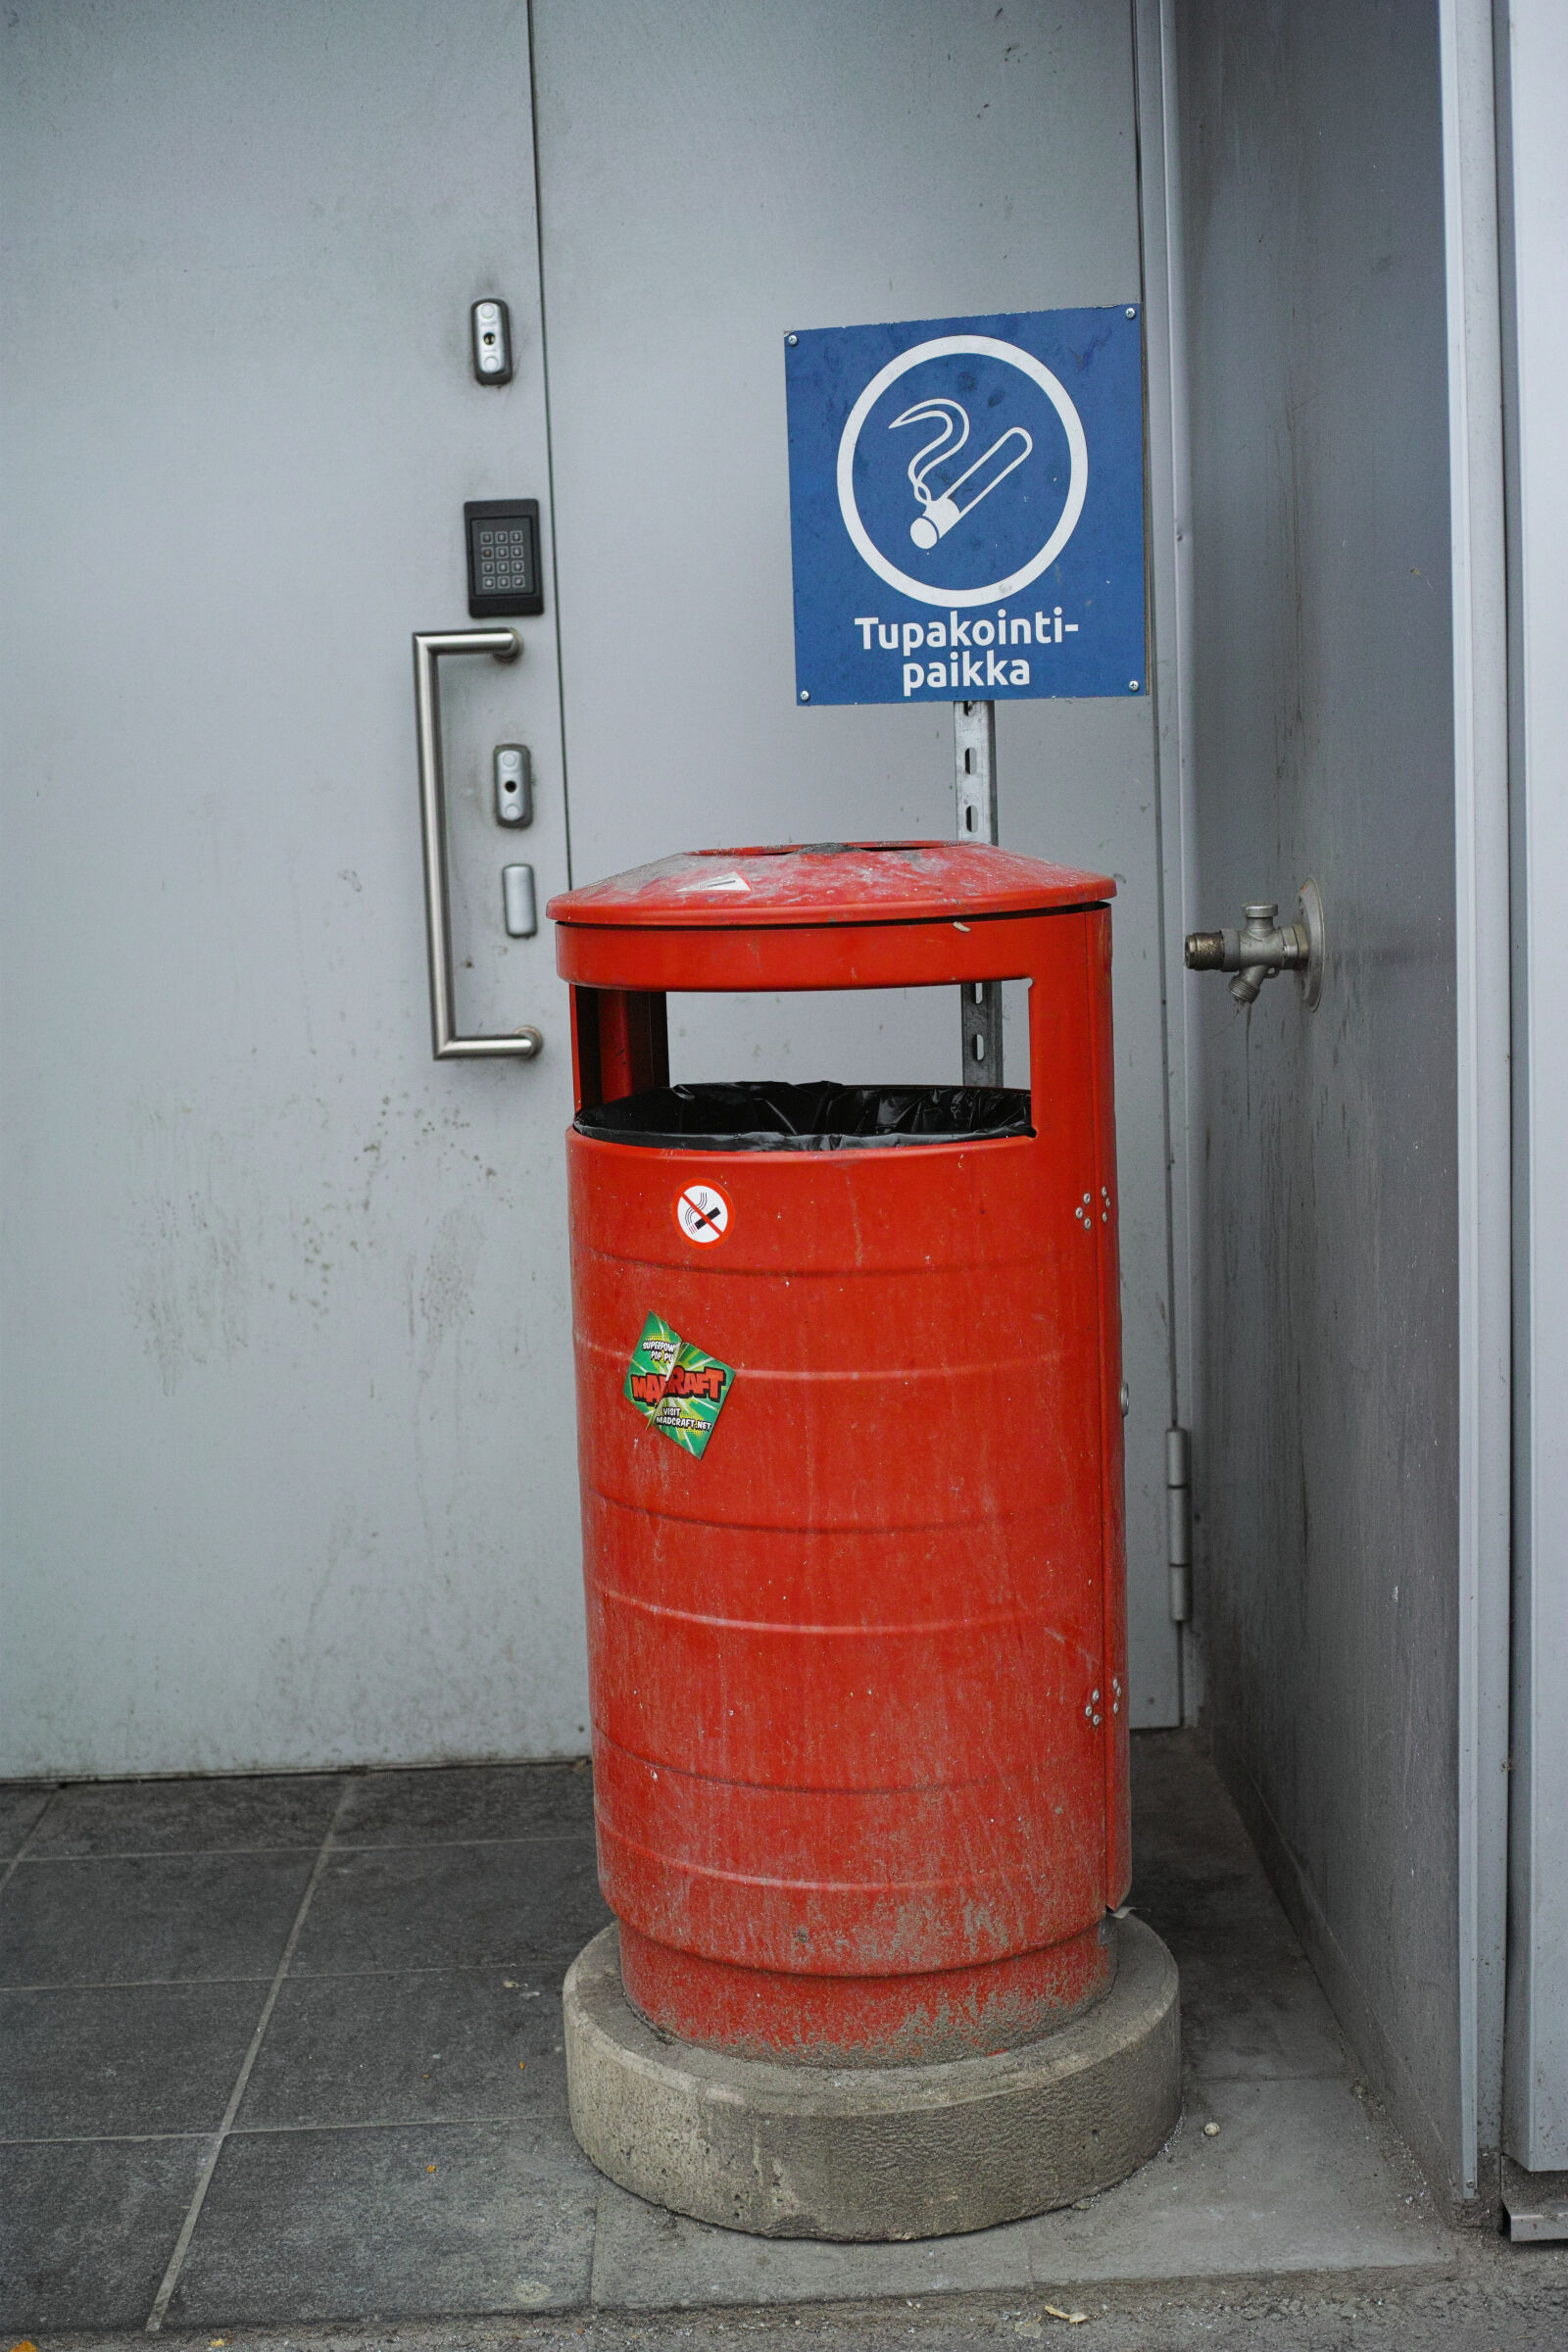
x=505 y=645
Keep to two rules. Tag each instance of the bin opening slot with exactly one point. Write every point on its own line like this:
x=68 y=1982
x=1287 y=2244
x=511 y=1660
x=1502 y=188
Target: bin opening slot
x=630 y=1042
x=860 y=1036
x=820 y=1115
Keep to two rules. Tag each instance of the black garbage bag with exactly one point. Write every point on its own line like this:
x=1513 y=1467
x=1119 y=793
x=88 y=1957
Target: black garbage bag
x=768 y=1115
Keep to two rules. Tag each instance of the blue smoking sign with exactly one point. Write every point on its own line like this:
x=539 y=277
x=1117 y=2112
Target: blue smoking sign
x=966 y=508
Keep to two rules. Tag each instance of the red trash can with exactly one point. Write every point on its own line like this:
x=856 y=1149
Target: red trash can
x=850 y=1436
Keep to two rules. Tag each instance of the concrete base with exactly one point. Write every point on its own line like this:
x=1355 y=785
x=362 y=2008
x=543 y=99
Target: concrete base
x=864 y=2153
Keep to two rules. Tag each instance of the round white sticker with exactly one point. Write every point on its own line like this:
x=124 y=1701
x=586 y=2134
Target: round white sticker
x=703 y=1213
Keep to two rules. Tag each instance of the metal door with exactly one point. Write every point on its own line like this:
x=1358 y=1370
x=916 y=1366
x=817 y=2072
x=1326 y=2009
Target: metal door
x=288 y=1411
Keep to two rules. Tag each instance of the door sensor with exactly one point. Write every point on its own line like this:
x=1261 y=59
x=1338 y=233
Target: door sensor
x=513 y=784
x=518 y=902
x=490 y=323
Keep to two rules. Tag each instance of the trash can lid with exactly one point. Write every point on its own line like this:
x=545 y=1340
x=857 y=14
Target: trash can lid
x=829 y=882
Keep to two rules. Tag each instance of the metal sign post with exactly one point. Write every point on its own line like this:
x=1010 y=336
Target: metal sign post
x=974 y=761
x=966 y=519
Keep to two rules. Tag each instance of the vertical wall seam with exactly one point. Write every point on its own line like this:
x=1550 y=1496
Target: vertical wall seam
x=1160 y=525
x=1482 y=1014
x=550 y=442
x=1531 y=43
x=1171 y=676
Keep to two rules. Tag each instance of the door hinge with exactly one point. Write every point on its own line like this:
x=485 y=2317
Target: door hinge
x=1179 y=1521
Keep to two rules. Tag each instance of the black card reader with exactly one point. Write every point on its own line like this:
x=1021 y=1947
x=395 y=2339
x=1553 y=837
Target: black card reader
x=504 y=575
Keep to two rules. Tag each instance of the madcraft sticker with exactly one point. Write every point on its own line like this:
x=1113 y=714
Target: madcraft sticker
x=678 y=1387
x=653 y=1360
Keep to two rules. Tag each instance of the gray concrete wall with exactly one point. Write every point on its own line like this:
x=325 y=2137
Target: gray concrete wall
x=1324 y=1145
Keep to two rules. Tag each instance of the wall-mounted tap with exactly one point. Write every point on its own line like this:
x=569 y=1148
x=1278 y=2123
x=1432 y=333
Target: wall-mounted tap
x=1265 y=946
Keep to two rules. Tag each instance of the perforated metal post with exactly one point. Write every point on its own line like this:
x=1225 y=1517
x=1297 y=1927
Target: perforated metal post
x=974 y=748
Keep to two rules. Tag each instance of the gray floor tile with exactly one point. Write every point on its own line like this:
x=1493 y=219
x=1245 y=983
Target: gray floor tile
x=89 y=2230
x=397 y=2014
x=442 y=2046
x=122 y=2059
x=21 y=1803
x=303 y=2225
x=648 y=2260
x=453 y=1906
x=1251 y=2019
x=501 y=1800
x=189 y=1817
x=1196 y=1879
x=1180 y=1807
x=1207 y=1910
x=1296 y=2179
x=179 y=1917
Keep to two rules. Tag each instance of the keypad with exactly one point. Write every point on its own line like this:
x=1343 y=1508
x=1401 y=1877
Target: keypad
x=503 y=558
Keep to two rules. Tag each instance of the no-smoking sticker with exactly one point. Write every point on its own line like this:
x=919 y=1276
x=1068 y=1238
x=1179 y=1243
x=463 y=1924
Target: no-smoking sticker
x=703 y=1213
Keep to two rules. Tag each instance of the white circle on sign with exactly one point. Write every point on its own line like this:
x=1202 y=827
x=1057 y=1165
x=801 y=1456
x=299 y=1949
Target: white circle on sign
x=703 y=1213
x=980 y=347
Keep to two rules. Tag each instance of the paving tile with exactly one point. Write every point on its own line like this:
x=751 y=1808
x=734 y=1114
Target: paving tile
x=181 y=1916
x=396 y=2015
x=1206 y=1904
x=191 y=1817
x=1210 y=1911
x=452 y=1906
x=1250 y=2018
x=646 y=2259
x=499 y=1801
x=1297 y=2180
x=1180 y=1810
x=443 y=2044
x=21 y=1803
x=441 y=2218
x=89 y=2226
x=89 y=2061
x=1196 y=1879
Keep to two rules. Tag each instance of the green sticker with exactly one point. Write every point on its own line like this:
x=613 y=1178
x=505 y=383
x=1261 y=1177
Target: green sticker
x=653 y=1360
x=676 y=1386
